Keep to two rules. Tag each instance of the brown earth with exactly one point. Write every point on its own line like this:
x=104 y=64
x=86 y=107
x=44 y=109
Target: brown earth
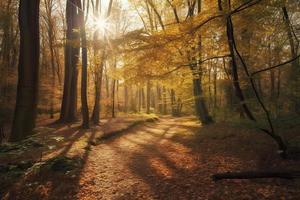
x=170 y=159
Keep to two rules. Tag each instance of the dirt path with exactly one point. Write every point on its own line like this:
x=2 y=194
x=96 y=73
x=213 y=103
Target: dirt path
x=164 y=161
x=169 y=159
x=145 y=163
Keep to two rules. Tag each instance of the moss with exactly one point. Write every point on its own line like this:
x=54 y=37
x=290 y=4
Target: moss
x=20 y=146
x=64 y=164
x=15 y=169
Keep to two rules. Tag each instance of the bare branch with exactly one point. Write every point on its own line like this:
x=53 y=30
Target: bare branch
x=276 y=66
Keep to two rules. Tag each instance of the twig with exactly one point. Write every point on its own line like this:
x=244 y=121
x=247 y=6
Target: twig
x=276 y=66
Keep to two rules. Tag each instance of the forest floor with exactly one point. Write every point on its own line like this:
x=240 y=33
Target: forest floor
x=172 y=158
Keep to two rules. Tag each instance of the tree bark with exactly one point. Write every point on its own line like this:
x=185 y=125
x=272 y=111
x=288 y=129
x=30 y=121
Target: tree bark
x=238 y=91
x=27 y=90
x=164 y=99
x=148 y=97
x=113 y=92
x=69 y=102
x=98 y=88
x=200 y=106
x=50 y=27
x=159 y=99
x=125 y=98
x=84 y=100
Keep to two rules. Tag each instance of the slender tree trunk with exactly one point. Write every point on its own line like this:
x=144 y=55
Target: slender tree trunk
x=113 y=98
x=50 y=30
x=133 y=99
x=140 y=99
x=228 y=87
x=143 y=98
x=209 y=87
x=95 y=114
x=234 y=69
x=113 y=93
x=84 y=100
x=27 y=91
x=100 y=68
x=125 y=98
x=153 y=99
x=98 y=89
x=215 y=88
x=200 y=105
x=173 y=103
x=50 y=34
x=196 y=69
x=118 y=96
x=159 y=100
x=148 y=96
x=107 y=84
x=164 y=98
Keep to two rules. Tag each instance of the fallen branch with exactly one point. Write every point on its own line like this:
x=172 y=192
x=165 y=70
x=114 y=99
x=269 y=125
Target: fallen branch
x=256 y=175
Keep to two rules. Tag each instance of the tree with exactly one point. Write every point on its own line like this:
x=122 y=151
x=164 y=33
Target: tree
x=196 y=69
x=99 y=66
x=51 y=39
x=84 y=101
x=69 y=101
x=28 y=70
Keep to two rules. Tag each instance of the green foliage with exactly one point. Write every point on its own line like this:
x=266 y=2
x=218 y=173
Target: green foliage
x=64 y=164
x=19 y=148
x=13 y=171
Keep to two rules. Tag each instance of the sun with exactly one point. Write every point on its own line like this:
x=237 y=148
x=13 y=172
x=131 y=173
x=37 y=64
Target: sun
x=99 y=23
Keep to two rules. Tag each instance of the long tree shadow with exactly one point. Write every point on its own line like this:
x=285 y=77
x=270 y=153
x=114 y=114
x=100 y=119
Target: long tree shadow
x=188 y=176
x=168 y=178
x=69 y=184
x=44 y=183
x=166 y=157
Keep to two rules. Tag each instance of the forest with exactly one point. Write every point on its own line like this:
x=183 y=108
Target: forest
x=149 y=99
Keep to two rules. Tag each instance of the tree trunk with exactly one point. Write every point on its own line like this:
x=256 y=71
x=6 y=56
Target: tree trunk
x=113 y=93
x=200 y=106
x=209 y=86
x=143 y=98
x=139 y=99
x=69 y=102
x=96 y=110
x=84 y=100
x=98 y=89
x=164 y=98
x=50 y=30
x=125 y=98
x=148 y=97
x=173 y=103
x=50 y=34
x=215 y=88
x=27 y=91
x=133 y=100
x=235 y=76
x=159 y=100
